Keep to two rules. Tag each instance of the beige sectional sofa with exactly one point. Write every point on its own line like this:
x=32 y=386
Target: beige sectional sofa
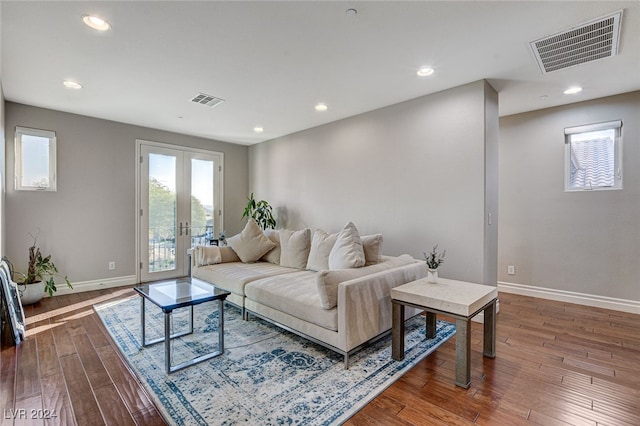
x=333 y=289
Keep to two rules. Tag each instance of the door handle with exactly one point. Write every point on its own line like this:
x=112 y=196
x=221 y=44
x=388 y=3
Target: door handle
x=186 y=228
x=180 y=229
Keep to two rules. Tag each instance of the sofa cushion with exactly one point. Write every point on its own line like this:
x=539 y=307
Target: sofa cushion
x=251 y=244
x=327 y=281
x=296 y=294
x=347 y=252
x=234 y=276
x=321 y=245
x=372 y=246
x=273 y=255
x=294 y=248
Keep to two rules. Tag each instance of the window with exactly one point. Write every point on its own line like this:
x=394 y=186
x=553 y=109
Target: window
x=593 y=157
x=35 y=168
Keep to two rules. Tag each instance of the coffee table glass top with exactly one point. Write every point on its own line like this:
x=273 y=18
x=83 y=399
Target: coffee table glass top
x=170 y=295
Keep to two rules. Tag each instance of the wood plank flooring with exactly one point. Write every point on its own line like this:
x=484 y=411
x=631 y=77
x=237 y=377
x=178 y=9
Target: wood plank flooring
x=556 y=364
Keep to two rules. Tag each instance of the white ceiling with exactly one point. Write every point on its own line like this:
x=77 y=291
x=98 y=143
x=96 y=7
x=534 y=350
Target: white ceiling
x=273 y=61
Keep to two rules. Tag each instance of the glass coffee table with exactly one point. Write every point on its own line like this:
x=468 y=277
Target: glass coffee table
x=170 y=295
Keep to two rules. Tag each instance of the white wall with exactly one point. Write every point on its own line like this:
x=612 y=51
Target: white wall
x=414 y=171
x=90 y=220
x=563 y=243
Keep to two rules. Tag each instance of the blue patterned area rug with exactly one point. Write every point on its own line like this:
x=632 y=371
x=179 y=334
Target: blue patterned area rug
x=267 y=376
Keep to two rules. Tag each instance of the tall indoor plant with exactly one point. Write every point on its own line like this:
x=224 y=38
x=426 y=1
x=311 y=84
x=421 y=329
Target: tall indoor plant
x=41 y=273
x=261 y=212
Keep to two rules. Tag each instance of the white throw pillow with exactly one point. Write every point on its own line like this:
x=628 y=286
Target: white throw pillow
x=321 y=245
x=347 y=252
x=272 y=256
x=372 y=245
x=294 y=248
x=251 y=244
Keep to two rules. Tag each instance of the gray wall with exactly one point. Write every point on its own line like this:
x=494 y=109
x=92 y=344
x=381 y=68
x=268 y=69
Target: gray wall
x=584 y=242
x=414 y=172
x=3 y=179
x=90 y=220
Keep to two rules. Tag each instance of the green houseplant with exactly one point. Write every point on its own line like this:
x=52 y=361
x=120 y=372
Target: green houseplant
x=41 y=269
x=433 y=260
x=261 y=212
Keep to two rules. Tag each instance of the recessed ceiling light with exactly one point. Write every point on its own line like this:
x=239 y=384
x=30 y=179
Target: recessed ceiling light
x=351 y=12
x=96 y=22
x=425 y=71
x=258 y=129
x=573 y=90
x=321 y=107
x=72 y=84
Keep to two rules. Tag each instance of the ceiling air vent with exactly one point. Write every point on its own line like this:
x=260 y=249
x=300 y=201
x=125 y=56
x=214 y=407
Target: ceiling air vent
x=591 y=41
x=208 y=100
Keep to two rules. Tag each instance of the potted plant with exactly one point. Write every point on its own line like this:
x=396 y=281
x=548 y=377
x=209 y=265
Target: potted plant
x=261 y=212
x=433 y=260
x=40 y=276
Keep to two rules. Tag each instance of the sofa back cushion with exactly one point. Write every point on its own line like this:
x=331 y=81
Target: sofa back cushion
x=321 y=245
x=251 y=244
x=294 y=248
x=347 y=252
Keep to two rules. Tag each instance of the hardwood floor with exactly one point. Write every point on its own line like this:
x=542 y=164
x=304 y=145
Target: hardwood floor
x=556 y=364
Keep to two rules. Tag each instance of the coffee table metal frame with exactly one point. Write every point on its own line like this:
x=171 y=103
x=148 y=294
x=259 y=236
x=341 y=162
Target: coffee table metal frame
x=167 y=308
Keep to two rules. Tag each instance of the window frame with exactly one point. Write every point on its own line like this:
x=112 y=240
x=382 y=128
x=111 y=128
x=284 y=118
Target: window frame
x=615 y=125
x=51 y=135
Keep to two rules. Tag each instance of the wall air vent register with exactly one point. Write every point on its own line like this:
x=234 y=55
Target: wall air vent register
x=591 y=41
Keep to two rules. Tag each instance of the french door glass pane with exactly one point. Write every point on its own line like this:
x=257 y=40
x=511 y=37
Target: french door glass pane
x=202 y=205
x=162 y=212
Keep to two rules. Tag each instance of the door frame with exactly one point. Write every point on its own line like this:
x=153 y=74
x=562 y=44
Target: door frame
x=138 y=160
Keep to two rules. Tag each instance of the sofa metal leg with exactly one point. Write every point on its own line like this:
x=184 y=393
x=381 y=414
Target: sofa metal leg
x=346 y=361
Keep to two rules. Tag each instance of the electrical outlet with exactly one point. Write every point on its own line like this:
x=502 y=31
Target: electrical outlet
x=511 y=270
x=112 y=265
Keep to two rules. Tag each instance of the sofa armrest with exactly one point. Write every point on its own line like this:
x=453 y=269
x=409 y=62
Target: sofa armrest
x=211 y=255
x=364 y=304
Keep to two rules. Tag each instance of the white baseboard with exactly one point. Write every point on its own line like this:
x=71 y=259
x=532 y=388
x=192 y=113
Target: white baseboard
x=631 y=306
x=95 y=285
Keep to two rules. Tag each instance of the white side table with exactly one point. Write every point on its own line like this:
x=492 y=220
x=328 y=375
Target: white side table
x=459 y=299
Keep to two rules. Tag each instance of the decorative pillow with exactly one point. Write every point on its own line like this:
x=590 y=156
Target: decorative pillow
x=321 y=245
x=228 y=255
x=327 y=282
x=294 y=248
x=251 y=244
x=372 y=245
x=273 y=255
x=347 y=252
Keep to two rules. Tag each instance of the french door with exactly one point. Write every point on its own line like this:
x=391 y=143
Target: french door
x=180 y=206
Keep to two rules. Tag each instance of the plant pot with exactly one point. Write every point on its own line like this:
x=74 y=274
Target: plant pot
x=432 y=276
x=31 y=293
